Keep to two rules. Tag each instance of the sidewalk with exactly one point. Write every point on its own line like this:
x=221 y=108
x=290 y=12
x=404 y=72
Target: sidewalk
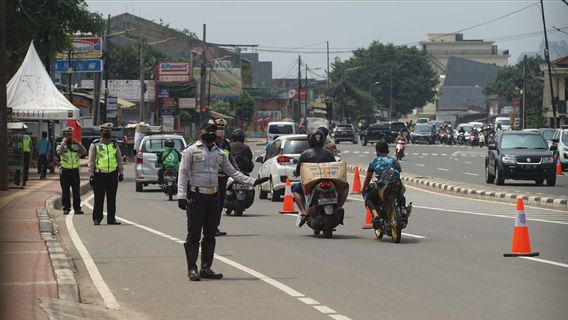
x=26 y=239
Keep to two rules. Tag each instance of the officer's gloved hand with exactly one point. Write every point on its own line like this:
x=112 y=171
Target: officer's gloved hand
x=182 y=204
x=92 y=181
x=261 y=180
x=120 y=177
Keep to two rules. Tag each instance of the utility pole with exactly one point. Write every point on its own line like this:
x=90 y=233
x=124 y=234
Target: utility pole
x=328 y=83
x=547 y=58
x=390 y=98
x=105 y=65
x=299 y=89
x=141 y=40
x=70 y=76
x=203 y=75
x=3 y=102
x=524 y=106
x=306 y=89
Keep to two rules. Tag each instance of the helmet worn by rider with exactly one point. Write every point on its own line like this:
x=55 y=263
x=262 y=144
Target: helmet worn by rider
x=238 y=135
x=324 y=130
x=316 y=139
x=169 y=143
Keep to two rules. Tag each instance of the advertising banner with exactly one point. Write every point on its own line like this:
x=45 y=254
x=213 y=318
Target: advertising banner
x=225 y=82
x=173 y=71
x=125 y=89
x=186 y=103
x=168 y=124
x=84 y=48
x=79 y=66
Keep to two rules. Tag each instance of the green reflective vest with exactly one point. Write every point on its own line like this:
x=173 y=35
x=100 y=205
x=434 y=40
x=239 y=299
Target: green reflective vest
x=26 y=140
x=170 y=159
x=106 y=157
x=69 y=157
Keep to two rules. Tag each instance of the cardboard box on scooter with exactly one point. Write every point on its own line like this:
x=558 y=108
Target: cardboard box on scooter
x=311 y=173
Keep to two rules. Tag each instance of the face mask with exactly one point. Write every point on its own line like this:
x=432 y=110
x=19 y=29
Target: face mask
x=208 y=137
x=220 y=133
x=105 y=135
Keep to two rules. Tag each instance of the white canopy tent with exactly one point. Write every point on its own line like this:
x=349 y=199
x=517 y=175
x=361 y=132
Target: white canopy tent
x=33 y=96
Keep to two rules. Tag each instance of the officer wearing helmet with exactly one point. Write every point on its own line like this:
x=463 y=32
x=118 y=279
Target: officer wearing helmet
x=315 y=154
x=105 y=171
x=69 y=152
x=241 y=152
x=168 y=158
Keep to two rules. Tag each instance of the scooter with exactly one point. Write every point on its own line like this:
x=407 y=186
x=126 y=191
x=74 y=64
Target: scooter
x=170 y=183
x=238 y=198
x=321 y=204
x=461 y=138
x=400 y=146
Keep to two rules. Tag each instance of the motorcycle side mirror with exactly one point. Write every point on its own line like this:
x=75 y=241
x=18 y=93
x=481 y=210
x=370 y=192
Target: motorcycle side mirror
x=555 y=140
x=259 y=159
x=553 y=148
x=492 y=146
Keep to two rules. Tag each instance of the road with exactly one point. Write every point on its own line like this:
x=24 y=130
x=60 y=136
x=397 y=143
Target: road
x=449 y=264
x=456 y=163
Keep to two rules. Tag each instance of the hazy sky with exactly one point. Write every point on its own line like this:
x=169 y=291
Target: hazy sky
x=297 y=27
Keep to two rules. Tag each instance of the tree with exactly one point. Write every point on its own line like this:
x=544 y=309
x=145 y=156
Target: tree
x=509 y=83
x=245 y=107
x=375 y=74
x=50 y=24
x=124 y=61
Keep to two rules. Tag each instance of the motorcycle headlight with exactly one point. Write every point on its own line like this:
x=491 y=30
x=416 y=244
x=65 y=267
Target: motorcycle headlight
x=547 y=160
x=507 y=159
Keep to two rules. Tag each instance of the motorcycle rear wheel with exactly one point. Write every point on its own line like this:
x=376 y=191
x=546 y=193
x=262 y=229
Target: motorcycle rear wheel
x=328 y=233
x=170 y=196
x=379 y=234
x=238 y=210
x=396 y=231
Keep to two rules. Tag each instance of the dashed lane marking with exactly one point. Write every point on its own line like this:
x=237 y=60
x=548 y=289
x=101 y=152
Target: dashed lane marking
x=420 y=165
x=546 y=261
x=443 y=169
x=471 y=174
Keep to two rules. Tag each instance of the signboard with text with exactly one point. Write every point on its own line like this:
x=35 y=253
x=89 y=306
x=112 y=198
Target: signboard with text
x=173 y=72
x=83 y=48
x=79 y=66
x=125 y=89
x=186 y=103
x=168 y=123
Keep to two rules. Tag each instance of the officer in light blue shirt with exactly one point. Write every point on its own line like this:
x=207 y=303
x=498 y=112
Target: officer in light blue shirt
x=43 y=148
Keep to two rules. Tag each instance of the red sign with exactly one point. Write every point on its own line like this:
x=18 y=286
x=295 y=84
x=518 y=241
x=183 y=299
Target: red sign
x=173 y=71
x=293 y=94
x=169 y=102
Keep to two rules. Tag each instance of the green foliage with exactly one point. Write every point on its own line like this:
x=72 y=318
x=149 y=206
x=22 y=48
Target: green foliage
x=509 y=84
x=244 y=107
x=374 y=74
x=49 y=23
x=221 y=107
x=124 y=61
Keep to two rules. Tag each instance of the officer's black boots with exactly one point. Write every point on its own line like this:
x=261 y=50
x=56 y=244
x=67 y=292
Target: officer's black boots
x=207 y=253
x=191 y=252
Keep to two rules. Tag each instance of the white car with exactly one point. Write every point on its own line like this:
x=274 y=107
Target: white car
x=561 y=135
x=147 y=155
x=281 y=129
x=279 y=164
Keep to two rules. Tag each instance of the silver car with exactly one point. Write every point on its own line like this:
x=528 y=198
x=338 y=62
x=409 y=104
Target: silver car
x=147 y=155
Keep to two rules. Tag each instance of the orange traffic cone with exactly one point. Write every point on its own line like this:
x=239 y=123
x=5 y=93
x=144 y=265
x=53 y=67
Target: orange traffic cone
x=521 y=241
x=558 y=166
x=288 y=205
x=368 y=220
x=356 y=181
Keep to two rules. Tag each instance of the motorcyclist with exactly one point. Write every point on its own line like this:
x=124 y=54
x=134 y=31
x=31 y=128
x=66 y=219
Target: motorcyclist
x=315 y=154
x=461 y=130
x=378 y=166
x=168 y=158
x=242 y=154
x=402 y=137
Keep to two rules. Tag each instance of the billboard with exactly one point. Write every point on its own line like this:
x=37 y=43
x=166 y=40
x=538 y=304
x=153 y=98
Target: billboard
x=221 y=83
x=173 y=71
x=79 y=66
x=125 y=89
x=84 y=48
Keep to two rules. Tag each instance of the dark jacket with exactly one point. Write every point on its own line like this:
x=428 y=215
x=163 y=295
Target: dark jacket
x=314 y=155
x=242 y=154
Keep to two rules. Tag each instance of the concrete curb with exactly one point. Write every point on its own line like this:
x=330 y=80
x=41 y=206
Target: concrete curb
x=466 y=192
x=67 y=285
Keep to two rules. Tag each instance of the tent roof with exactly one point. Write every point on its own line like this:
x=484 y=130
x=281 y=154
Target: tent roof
x=33 y=96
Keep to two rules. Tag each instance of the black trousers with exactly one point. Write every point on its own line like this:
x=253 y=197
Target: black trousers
x=69 y=178
x=222 y=194
x=202 y=215
x=26 y=166
x=42 y=165
x=105 y=184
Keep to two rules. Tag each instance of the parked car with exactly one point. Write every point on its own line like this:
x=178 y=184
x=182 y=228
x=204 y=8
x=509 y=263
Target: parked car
x=520 y=155
x=279 y=164
x=345 y=132
x=375 y=133
x=422 y=120
x=280 y=129
x=560 y=139
x=89 y=134
x=147 y=155
x=548 y=134
x=423 y=133
x=505 y=123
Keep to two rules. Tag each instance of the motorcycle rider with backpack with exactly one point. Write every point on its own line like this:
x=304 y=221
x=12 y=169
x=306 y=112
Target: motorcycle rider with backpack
x=168 y=158
x=242 y=154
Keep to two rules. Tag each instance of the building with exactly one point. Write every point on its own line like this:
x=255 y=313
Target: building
x=560 y=86
x=440 y=47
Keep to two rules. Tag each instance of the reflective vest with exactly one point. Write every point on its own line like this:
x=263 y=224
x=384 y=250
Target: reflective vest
x=26 y=143
x=170 y=159
x=106 y=157
x=69 y=157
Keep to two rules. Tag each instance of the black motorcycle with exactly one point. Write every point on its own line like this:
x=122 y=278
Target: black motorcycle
x=323 y=213
x=395 y=215
x=238 y=198
x=169 y=185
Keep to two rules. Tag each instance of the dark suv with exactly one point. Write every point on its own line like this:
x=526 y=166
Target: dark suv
x=395 y=128
x=375 y=133
x=345 y=132
x=520 y=155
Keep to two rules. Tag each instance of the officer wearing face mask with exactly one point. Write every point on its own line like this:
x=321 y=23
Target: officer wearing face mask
x=105 y=170
x=198 y=195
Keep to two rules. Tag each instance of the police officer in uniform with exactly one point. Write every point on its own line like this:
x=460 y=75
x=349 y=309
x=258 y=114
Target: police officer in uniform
x=105 y=170
x=199 y=166
x=69 y=153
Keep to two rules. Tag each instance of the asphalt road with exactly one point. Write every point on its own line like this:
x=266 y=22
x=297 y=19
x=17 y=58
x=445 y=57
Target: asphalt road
x=449 y=264
x=456 y=163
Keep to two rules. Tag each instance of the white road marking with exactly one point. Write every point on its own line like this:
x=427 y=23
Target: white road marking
x=444 y=154
x=366 y=152
x=420 y=165
x=104 y=291
x=443 y=169
x=346 y=151
x=546 y=261
x=434 y=154
x=356 y=151
x=275 y=283
x=415 y=154
x=468 y=162
x=471 y=174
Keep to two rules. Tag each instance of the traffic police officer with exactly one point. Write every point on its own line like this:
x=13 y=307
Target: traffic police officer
x=199 y=166
x=105 y=170
x=69 y=152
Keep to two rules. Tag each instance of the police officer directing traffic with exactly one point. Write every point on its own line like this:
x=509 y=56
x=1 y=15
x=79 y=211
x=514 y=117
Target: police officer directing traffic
x=69 y=152
x=199 y=165
x=105 y=170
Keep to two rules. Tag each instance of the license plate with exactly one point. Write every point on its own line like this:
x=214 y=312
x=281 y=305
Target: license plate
x=239 y=186
x=325 y=201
